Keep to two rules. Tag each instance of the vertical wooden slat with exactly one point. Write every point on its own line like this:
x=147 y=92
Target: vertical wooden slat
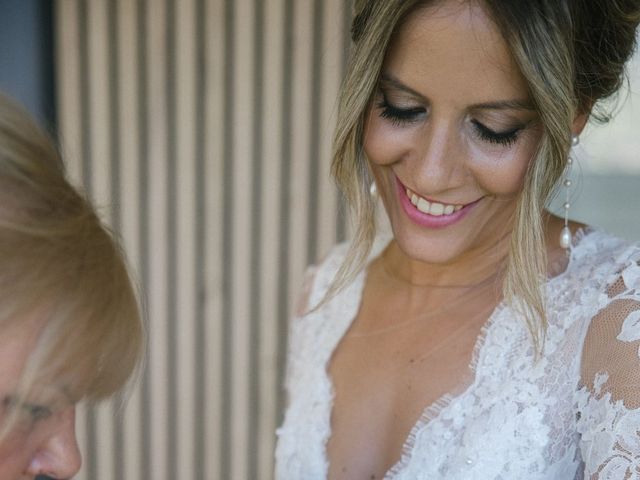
x=213 y=417
x=228 y=281
x=185 y=281
x=284 y=198
x=313 y=125
x=242 y=230
x=68 y=85
x=199 y=451
x=270 y=216
x=128 y=131
x=143 y=230
x=171 y=235
x=255 y=313
x=100 y=181
x=116 y=413
x=85 y=154
x=331 y=56
x=300 y=138
x=158 y=246
x=343 y=226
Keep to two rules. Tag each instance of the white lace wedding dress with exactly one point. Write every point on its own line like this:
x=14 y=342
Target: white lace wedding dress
x=573 y=414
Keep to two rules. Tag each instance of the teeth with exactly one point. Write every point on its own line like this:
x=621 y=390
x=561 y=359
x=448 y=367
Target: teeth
x=432 y=208
x=437 y=209
x=423 y=205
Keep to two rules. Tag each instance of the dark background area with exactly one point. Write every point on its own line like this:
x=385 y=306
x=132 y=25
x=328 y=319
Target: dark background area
x=26 y=56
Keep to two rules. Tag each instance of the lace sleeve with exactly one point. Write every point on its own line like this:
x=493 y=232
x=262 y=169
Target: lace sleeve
x=609 y=401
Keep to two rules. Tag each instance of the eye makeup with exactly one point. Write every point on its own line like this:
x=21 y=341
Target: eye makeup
x=404 y=116
x=399 y=116
x=505 y=138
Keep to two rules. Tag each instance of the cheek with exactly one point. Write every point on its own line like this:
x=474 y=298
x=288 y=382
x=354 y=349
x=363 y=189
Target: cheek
x=385 y=143
x=15 y=455
x=503 y=174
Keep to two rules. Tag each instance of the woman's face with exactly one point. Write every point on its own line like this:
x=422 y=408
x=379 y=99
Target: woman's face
x=450 y=133
x=41 y=439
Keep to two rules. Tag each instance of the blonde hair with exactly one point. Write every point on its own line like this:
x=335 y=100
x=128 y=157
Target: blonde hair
x=571 y=53
x=57 y=257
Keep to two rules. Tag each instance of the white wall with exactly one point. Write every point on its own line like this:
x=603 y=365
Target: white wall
x=607 y=174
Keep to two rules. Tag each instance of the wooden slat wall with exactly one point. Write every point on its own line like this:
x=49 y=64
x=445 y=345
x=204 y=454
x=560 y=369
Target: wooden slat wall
x=201 y=128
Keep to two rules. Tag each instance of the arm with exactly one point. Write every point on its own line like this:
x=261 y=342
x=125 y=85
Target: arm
x=609 y=403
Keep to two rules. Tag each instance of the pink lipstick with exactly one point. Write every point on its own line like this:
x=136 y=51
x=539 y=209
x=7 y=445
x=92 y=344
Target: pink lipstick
x=425 y=219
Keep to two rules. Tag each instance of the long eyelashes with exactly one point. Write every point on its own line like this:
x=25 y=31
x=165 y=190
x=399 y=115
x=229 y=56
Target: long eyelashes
x=405 y=116
x=399 y=116
x=506 y=138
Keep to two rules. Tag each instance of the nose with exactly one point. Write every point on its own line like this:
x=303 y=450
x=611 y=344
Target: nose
x=59 y=455
x=438 y=153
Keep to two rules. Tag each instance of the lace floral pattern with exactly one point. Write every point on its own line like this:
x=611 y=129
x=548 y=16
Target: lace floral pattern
x=610 y=440
x=609 y=430
x=518 y=419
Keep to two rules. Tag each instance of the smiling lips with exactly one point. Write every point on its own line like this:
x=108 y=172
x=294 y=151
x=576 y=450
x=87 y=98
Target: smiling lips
x=430 y=214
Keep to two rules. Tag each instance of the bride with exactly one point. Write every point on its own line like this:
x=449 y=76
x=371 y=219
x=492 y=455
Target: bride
x=487 y=338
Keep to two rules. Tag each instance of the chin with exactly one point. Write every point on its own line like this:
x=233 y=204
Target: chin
x=431 y=247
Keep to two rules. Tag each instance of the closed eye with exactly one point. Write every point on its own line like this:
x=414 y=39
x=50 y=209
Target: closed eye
x=397 y=115
x=36 y=412
x=505 y=138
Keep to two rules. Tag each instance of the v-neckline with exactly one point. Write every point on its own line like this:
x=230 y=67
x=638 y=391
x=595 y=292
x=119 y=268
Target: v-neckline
x=434 y=410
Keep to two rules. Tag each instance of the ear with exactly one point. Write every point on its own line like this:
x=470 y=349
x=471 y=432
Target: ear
x=579 y=123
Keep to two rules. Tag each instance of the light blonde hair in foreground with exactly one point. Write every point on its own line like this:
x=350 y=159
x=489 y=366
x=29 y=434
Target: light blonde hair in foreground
x=59 y=260
x=571 y=53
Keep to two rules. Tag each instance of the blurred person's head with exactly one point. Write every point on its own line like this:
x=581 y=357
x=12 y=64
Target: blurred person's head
x=70 y=326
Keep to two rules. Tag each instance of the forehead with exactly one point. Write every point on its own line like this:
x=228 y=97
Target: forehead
x=17 y=340
x=454 y=49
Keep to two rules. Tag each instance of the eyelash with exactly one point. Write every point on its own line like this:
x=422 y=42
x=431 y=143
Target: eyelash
x=400 y=117
x=36 y=412
x=505 y=139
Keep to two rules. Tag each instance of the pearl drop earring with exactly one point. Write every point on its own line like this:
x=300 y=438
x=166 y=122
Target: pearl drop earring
x=373 y=189
x=565 y=234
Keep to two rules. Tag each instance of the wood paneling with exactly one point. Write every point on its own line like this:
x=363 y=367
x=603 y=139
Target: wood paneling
x=201 y=129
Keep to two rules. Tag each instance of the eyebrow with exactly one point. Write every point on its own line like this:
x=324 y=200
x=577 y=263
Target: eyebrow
x=516 y=104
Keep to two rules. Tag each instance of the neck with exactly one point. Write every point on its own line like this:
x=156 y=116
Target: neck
x=473 y=268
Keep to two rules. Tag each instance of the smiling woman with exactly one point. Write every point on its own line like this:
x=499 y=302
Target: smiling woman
x=451 y=123
x=69 y=322
x=487 y=338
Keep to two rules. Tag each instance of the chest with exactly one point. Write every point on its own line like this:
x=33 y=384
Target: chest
x=509 y=414
x=384 y=378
